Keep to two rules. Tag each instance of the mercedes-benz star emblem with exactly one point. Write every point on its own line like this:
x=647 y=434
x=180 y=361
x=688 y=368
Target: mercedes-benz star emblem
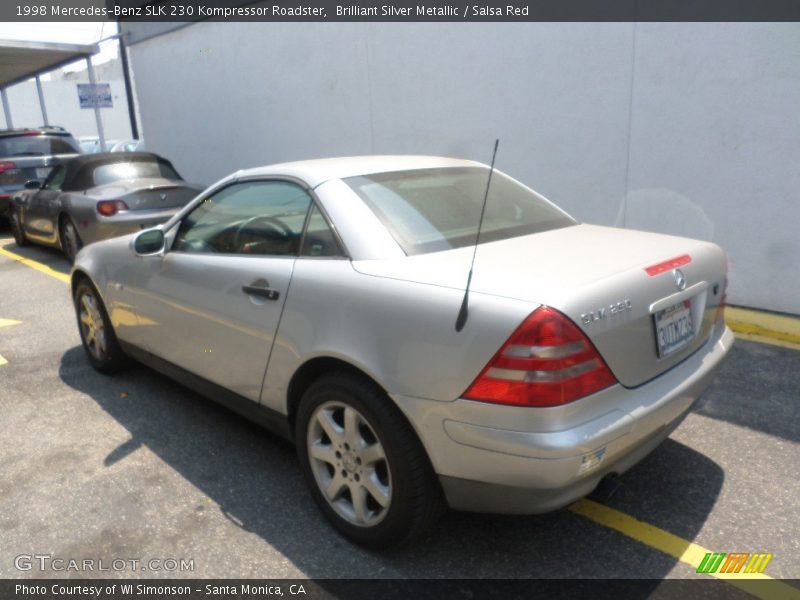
x=680 y=279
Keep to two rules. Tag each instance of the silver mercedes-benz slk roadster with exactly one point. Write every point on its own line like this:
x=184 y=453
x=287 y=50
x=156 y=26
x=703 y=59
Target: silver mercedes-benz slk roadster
x=96 y=197
x=321 y=299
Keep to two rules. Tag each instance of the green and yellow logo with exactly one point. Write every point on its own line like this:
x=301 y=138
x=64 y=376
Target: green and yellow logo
x=736 y=562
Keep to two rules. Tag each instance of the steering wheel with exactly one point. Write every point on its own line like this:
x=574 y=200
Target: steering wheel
x=273 y=222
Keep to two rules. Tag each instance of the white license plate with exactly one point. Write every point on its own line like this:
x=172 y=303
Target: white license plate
x=674 y=327
x=43 y=172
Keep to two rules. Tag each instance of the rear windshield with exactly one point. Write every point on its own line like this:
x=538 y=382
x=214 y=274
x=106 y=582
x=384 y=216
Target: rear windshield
x=109 y=173
x=37 y=145
x=429 y=210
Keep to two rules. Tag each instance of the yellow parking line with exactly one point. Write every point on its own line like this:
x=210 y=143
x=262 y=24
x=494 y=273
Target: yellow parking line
x=756 y=584
x=6 y=323
x=35 y=265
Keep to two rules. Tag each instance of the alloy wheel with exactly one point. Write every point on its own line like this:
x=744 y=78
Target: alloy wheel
x=349 y=464
x=72 y=243
x=92 y=325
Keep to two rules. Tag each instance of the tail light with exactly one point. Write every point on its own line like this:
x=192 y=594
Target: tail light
x=109 y=208
x=7 y=165
x=547 y=361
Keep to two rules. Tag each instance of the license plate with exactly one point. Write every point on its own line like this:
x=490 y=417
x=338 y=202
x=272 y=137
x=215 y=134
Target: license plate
x=674 y=328
x=43 y=172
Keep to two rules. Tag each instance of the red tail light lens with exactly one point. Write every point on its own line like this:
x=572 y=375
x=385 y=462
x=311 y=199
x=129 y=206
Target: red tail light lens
x=547 y=361
x=109 y=208
x=7 y=165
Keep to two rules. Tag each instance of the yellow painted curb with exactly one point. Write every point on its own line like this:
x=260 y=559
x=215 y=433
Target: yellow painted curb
x=781 y=330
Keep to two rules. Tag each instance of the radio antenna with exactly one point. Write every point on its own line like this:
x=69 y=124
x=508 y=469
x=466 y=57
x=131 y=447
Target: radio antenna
x=463 y=312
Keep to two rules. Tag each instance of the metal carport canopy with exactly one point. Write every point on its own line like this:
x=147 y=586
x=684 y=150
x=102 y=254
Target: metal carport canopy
x=19 y=60
x=22 y=60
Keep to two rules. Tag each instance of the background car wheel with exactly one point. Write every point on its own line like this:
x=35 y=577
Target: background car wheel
x=17 y=230
x=70 y=240
x=367 y=470
x=99 y=341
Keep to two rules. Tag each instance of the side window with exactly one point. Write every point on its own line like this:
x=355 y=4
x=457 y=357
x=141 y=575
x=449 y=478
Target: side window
x=55 y=179
x=253 y=217
x=319 y=239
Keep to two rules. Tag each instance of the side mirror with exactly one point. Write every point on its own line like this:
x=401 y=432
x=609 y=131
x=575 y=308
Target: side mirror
x=33 y=184
x=149 y=241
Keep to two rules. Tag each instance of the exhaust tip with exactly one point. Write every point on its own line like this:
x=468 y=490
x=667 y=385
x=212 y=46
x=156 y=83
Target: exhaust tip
x=606 y=488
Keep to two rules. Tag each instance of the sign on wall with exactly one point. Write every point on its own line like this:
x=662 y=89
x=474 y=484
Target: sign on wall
x=95 y=95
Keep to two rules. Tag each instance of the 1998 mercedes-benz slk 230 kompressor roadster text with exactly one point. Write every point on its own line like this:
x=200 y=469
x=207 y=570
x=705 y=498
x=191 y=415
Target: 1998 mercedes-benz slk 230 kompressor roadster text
x=320 y=299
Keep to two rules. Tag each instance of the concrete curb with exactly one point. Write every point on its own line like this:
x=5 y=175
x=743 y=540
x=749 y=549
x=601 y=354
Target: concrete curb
x=765 y=327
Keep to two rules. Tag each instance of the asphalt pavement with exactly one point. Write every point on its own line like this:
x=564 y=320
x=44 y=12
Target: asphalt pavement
x=135 y=466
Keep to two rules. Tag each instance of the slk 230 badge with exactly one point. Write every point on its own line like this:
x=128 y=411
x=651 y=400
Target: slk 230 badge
x=614 y=308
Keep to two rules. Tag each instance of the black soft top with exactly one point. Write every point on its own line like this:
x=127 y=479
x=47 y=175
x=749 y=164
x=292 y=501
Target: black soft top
x=80 y=170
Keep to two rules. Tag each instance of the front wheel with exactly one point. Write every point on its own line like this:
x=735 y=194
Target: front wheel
x=367 y=470
x=99 y=341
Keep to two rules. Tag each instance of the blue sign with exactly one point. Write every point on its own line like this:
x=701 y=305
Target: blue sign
x=95 y=95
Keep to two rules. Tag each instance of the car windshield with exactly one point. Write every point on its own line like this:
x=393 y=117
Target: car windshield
x=37 y=145
x=109 y=173
x=429 y=210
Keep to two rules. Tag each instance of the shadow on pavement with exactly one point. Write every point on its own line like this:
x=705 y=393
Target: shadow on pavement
x=51 y=257
x=255 y=480
x=758 y=387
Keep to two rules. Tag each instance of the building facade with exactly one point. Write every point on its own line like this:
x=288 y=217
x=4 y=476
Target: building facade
x=687 y=128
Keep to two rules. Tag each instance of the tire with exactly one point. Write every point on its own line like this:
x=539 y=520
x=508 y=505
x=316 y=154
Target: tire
x=70 y=240
x=98 y=337
x=16 y=229
x=382 y=490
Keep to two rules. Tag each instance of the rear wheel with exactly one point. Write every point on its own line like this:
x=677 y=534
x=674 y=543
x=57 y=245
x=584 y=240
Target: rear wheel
x=70 y=240
x=99 y=341
x=367 y=470
x=16 y=229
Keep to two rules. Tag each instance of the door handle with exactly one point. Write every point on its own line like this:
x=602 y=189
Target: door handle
x=260 y=288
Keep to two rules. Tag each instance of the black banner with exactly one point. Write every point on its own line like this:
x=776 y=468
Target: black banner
x=401 y=10
x=385 y=589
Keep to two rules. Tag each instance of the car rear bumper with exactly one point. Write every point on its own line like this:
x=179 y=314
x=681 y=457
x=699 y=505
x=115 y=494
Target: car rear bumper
x=505 y=459
x=123 y=223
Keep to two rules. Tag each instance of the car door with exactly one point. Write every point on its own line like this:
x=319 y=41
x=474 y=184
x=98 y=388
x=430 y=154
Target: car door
x=43 y=206
x=212 y=303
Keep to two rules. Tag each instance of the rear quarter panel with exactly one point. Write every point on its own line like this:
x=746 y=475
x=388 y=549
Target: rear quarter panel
x=400 y=333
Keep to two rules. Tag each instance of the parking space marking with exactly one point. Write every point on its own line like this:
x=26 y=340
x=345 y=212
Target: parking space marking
x=756 y=584
x=6 y=323
x=35 y=265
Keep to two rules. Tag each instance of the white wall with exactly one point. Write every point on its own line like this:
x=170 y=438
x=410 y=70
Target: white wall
x=684 y=128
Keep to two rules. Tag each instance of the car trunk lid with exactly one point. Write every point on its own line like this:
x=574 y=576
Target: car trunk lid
x=599 y=278
x=146 y=194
